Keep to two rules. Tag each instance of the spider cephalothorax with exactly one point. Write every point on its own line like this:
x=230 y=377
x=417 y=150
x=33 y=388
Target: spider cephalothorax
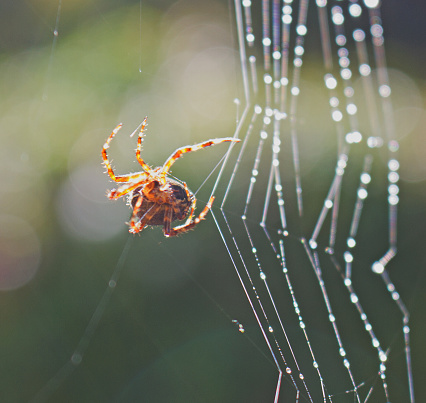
x=155 y=198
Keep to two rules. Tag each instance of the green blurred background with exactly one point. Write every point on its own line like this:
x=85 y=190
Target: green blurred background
x=167 y=332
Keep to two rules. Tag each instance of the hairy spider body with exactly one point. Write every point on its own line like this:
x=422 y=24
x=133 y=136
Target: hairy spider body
x=155 y=198
x=178 y=201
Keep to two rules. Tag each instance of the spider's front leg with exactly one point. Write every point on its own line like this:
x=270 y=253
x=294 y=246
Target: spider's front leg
x=107 y=163
x=190 y=223
x=182 y=150
x=139 y=146
x=128 y=187
x=105 y=156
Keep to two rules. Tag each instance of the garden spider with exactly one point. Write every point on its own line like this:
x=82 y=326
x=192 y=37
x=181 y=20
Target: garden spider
x=155 y=198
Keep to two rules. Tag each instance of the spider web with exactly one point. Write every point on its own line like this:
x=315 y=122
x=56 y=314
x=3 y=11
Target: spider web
x=330 y=249
x=297 y=300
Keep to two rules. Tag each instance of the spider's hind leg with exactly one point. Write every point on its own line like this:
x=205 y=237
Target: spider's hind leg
x=167 y=220
x=128 y=187
x=191 y=224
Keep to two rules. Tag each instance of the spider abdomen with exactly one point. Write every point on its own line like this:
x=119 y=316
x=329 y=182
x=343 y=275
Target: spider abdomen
x=174 y=200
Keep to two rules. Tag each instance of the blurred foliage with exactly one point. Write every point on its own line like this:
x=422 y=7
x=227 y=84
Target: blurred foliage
x=166 y=333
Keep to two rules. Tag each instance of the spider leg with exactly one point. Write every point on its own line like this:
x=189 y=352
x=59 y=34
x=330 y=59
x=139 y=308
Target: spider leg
x=178 y=153
x=191 y=224
x=118 y=178
x=139 y=146
x=128 y=187
x=168 y=220
x=107 y=163
x=132 y=221
x=194 y=202
x=169 y=213
x=136 y=227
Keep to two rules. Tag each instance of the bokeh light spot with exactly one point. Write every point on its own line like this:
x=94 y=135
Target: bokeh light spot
x=19 y=250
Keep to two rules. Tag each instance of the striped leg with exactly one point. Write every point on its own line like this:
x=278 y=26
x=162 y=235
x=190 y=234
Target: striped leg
x=139 y=147
x=136 y=227
x=189 y=225
x=168 y=220
x=178 y=153
x=115 y=178
x=128 y=187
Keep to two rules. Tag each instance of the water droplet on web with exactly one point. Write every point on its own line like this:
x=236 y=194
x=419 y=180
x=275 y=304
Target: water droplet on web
x=240 y=326
x=76 y=358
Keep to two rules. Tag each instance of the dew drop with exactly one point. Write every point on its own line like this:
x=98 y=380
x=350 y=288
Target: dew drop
x=348 y=257
x=378 y=268
x=301 y=30
x=76 y=358
x=355 y=10
x=266 y=41
x=250 y=38
x=287 y=19
x=351 y=242
x=362 y=193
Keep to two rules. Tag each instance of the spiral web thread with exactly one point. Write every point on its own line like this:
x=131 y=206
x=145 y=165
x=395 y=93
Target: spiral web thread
x=269 y=125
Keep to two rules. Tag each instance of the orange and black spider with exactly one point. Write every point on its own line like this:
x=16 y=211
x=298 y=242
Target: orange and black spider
x=155 y=198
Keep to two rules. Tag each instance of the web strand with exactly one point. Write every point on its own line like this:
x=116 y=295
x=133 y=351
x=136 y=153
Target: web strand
x=77 y=356
x=277 y=106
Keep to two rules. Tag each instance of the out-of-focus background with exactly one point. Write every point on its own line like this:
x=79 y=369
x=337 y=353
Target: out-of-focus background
x=167 y=328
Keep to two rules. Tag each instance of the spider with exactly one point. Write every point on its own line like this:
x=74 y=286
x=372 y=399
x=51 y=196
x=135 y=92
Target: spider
x=155 y=198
